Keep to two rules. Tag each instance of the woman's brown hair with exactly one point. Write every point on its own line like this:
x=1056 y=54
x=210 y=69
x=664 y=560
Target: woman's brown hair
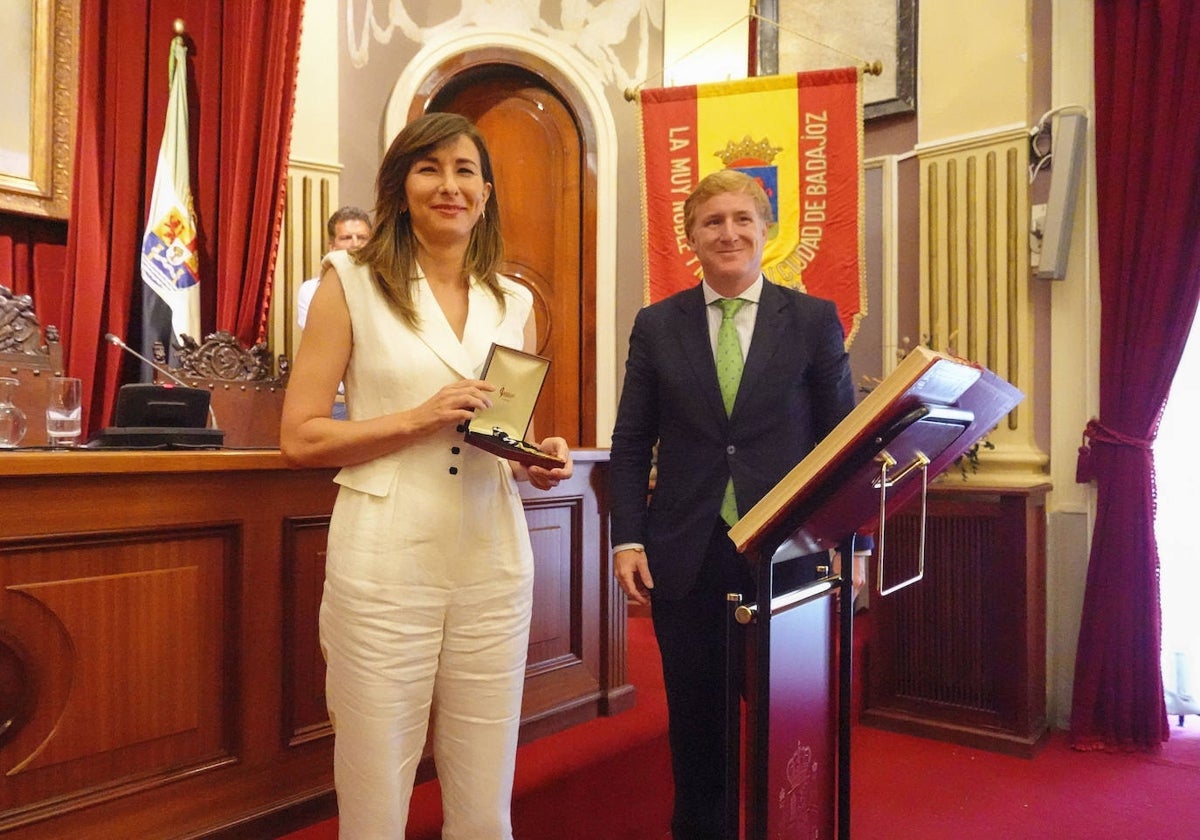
x=391 y=252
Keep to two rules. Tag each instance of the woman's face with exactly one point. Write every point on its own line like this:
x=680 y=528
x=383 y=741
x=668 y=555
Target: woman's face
x=446 y=192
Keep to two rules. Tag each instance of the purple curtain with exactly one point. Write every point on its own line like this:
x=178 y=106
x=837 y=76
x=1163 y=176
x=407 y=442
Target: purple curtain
x=1148 y=202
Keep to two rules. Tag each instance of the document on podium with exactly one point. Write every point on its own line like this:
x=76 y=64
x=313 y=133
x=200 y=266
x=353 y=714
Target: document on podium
x=922 y=416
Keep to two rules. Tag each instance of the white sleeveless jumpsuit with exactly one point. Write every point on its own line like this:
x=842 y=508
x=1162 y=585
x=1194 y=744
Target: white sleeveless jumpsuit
x=428 y=581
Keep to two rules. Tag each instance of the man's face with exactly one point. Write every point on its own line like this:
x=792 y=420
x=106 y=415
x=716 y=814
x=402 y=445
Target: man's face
x=727 y=236
x=351 y=233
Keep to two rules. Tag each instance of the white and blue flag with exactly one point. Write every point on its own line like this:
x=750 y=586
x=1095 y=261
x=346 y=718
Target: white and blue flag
x=170 y=264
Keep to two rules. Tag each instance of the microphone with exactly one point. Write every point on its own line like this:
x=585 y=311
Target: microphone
x=112 y=339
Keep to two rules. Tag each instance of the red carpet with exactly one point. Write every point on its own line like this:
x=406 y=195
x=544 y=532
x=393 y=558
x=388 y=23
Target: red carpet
x=609 y=779
x=606 y=779
x=908 y=787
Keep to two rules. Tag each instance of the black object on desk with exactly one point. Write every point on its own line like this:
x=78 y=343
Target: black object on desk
x=149 y=416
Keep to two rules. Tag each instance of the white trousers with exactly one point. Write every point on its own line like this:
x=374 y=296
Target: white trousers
x=402 y=656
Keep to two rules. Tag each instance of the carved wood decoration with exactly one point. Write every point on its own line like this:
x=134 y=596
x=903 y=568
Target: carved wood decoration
x=21 y=332
x=247 y=395
x=222 y=357
x=25 y=357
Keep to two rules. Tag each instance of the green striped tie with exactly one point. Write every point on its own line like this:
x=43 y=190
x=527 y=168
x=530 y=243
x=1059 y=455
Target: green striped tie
x=729 y=376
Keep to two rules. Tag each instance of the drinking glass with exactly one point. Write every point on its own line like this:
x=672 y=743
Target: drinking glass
x=12 y=419
x=64 y=411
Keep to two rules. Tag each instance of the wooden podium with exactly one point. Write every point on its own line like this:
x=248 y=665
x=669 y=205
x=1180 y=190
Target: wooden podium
x=795 y=686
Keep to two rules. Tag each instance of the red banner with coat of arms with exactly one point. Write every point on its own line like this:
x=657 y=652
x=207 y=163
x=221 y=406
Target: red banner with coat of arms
x=801 y=137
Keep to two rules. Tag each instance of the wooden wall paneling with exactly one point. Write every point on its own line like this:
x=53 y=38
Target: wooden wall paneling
x=305 y=717
x=159 y=660
x=563 y=673
x=142 y=593
x=138 y=696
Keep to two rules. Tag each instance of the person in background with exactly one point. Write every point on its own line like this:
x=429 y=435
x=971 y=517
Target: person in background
x=428 y=592
x=348 y=228
x=717 y=455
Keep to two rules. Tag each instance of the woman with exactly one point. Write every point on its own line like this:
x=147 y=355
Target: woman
x=428 y=579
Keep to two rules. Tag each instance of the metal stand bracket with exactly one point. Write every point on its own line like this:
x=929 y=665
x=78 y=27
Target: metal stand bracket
x=883 y=482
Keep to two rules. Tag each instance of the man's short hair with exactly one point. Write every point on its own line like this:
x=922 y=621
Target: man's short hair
x=726 y=181
x=347 y=213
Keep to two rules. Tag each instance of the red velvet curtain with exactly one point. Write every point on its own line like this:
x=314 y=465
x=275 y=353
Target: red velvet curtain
x=257 y=92
x=241 y=77
x=32 y=248
x=1148 y=198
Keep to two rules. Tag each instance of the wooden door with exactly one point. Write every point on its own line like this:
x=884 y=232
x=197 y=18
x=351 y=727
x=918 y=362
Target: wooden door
x=537 y=155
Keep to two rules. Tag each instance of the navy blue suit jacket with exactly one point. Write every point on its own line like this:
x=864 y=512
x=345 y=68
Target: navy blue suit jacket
x=796 y=386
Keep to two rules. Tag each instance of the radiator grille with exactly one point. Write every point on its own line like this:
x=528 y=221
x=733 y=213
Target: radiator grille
x=939 y=624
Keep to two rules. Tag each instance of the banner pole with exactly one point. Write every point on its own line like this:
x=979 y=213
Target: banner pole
x=752 y=45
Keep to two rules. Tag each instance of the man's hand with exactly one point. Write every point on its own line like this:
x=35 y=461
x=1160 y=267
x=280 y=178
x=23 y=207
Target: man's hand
x=858 y=572
x=858 y=569
x=633 y=575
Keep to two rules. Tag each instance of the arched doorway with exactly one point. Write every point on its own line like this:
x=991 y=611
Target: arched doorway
x=541 y=148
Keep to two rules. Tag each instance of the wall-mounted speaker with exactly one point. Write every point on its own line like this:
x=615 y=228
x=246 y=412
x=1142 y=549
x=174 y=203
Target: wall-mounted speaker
x=1066 y=168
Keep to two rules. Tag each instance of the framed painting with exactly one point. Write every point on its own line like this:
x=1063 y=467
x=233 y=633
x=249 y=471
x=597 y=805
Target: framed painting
x=38 y=47
x=800 y=35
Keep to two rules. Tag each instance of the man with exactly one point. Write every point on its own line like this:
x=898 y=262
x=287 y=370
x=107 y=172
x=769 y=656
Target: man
x=349 y=227
x=674 y=551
